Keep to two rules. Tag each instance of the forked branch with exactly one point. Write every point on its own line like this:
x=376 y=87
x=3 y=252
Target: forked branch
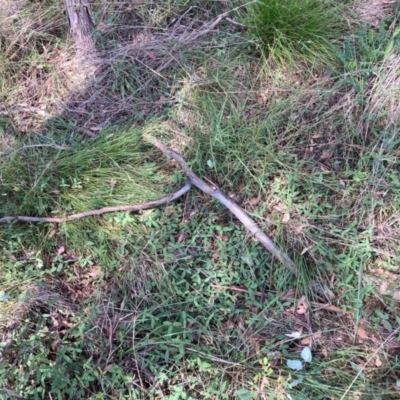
x=193 y=179
x=234 y=208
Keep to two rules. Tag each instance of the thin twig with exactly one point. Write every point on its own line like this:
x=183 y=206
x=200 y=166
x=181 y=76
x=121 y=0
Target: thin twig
x=54 y=146
x=128 y=208
x=235 y=209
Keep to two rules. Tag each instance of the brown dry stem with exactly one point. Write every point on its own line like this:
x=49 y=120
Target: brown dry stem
x=128 y=208
x=234 y=208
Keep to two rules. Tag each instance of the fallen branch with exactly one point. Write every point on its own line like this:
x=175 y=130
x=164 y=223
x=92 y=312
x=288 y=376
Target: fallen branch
x=235 y=209
x=128 y=208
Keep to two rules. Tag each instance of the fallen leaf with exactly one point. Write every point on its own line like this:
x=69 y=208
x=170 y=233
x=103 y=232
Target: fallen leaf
x=294 y=335
x=326 y=154
x=107 y=367
x=317 y=136
x=307 y=249
x=95 y=272
x=289 y=295
x=396 y=296
x=286 y=218
x=279 y=207
x=295 y=365
x=378 y=362
x=60 y=250
x=181 y=237
x=324 y=352
x=305 y=341
x=150 y=54
x=306 y=354
x=302 y=306
x=95 y=128
x=300 y=228
x=327 y=307
x=362 y=334
x=383 y=288
x=255 y=200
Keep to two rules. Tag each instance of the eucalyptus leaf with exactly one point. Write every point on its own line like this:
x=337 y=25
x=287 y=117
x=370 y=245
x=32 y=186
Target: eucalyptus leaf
x=295 y=365
x=296 y=382
x=306 y=354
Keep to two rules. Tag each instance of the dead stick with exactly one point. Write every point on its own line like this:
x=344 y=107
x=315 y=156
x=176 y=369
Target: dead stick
x=235 y=209
x=128 y=208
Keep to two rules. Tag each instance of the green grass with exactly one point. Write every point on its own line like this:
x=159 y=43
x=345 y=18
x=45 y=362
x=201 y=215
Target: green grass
x=290 y=31
x=179 y=302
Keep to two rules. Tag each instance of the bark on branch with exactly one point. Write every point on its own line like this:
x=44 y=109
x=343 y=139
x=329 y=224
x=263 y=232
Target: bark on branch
x=81 y=25
x=128 y=208
x=235 y=209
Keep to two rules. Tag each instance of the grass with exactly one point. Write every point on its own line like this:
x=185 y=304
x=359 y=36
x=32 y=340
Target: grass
x=291 y=31
x=179 y=302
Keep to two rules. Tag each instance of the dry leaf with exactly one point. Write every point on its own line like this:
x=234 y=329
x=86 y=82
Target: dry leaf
x=286 y=218
x=300 y=228
x=324 y=352
x=95 y=128
x=60 y=250
x=307 y=249
x=294 y=335
x=279 y=207
x=95 y=272
x=255 y=200
x=150 y=54
x=181 y=237
x=326 y=154
x=316 y=336
x=361 y=333
x=396 y=296
x=378 y=362
x=302 y=306
x=383 y=288
x=305 y=341
x=289 y=295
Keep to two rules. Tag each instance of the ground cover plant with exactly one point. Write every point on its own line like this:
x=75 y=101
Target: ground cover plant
x=180 y=302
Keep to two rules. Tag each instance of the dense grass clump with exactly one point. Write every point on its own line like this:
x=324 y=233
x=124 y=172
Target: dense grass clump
x=293 y=30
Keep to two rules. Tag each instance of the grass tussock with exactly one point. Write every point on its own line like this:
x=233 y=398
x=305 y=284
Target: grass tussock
x=291 y=31
x=180 y=302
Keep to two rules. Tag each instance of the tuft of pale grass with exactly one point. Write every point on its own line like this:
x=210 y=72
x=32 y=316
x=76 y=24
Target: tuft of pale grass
x=384 y=98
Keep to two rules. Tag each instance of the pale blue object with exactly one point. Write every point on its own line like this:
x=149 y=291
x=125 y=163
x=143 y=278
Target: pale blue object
x=296 y=365
x=306 y=354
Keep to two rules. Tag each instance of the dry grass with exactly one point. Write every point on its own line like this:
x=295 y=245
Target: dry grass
x=286 y=144
x=384 y=98
x=374 y=11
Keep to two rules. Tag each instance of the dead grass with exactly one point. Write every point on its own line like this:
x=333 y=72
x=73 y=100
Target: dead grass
x=148 y=68
x=384 y=98
x=374 y=12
